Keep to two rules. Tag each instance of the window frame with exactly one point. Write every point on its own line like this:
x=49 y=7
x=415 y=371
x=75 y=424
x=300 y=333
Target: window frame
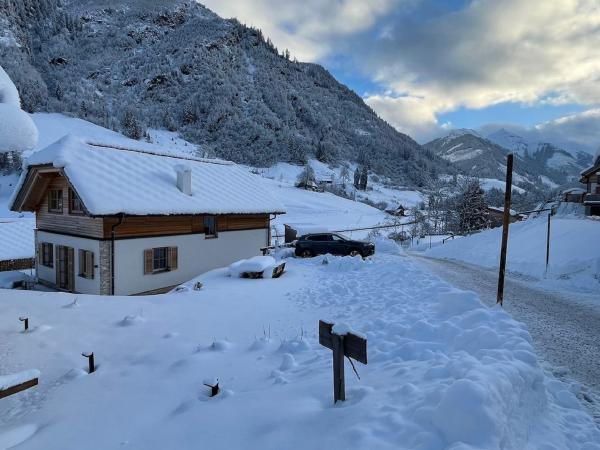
x=59 y=209
x=73 y=198
x=165 y=257
x=47 y=256
x=206 y=229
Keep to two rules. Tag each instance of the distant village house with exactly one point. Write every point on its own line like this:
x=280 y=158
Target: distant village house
x=125 y=221
x=591 y=178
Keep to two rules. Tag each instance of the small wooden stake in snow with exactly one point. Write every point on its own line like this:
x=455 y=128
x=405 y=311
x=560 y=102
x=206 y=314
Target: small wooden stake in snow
x=91 y=365
x=349 y=345
x=505 y=223
x=25 y=321
x=214 y=387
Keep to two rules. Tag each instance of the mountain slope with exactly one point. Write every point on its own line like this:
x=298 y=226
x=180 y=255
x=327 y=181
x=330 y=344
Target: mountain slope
x=477 y=156
x=176 y=65
x=543 y=154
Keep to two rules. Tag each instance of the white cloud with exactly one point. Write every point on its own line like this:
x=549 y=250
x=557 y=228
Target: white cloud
x=308 y=28
x=436 y=61
x=410 y=115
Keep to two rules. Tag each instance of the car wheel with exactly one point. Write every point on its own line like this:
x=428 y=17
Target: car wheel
x=354 y=253
x=306 y=253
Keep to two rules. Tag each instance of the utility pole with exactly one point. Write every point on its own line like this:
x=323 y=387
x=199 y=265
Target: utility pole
x=548 y=242
x=505 y=224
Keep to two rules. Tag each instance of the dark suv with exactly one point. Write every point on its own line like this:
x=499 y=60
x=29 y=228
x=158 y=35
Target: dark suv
x=336 y=244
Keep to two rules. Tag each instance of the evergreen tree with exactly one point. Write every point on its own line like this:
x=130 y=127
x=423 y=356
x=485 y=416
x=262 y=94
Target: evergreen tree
x=357 y=178
x=471 y=208
x=306 y=178
x=131 y=125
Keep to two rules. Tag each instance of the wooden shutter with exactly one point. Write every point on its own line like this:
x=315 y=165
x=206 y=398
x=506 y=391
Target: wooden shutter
x=148 y=265
x=40 y=253
x=172 y=255
x=58 y=258
x=89 y=264
x=71 y=268
x=51 y=251
x=81 y=261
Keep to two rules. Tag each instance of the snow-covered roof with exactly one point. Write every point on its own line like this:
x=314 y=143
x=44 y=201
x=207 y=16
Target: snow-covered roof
x=495 y=208
x=574 y=191
x=113 y=180
x=593 y=167
x=16 y=239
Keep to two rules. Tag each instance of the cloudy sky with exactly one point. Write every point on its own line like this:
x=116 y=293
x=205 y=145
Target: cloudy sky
x=427 y=66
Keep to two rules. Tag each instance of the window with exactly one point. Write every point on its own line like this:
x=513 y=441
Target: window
x=55 y=201
x=160 y=259
x=86 y=264
x=46 y=254
x=210 y=226
x=320 y=237
x=338 y=238
x=75 y=204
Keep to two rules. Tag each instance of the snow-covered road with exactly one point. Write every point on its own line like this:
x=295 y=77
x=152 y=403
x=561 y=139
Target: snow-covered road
x=565 y=327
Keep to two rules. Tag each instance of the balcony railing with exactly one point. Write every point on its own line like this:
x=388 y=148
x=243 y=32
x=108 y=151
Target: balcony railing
x=591 y=198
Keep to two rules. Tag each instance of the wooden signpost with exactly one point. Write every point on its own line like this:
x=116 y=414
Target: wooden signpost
x=349 y=345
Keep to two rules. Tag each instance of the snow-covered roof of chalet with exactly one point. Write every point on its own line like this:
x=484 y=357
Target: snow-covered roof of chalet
x=593 y=167
x=112 y=180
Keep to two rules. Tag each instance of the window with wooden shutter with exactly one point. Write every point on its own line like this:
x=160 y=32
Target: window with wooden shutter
x=160 y=259
x=173 y=258
x=47 y=254
x=86 y=264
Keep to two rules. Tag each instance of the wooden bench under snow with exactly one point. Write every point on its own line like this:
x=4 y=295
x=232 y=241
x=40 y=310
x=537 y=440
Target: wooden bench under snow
x=11 y=384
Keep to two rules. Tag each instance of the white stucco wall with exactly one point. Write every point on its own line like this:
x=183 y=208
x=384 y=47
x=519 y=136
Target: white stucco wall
x=196 y=255
x=82 y=285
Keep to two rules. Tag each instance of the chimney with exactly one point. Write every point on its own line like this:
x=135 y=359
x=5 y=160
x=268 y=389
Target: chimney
x=184 y=178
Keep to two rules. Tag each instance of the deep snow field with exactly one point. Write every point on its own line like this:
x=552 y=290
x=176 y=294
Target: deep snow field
x=444 y=370
x=574 y=251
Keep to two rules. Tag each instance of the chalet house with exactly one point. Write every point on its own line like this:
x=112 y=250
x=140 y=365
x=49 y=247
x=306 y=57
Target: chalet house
x=496 y=216
x=591 y=178
x=129 y=221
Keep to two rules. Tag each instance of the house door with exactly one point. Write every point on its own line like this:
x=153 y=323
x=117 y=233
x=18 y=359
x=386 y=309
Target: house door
x=65 y=268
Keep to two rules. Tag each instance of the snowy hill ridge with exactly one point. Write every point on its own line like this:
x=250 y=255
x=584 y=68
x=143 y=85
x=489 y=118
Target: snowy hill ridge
x=544 y=153
x=218 y=83
x=475 y=155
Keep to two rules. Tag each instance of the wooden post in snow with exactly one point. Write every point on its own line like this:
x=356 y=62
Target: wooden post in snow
x=548 y=242
x=349 y=345
x=505 y=224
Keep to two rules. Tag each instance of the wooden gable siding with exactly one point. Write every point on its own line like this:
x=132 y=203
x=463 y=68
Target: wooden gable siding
x=65 y=223
x=140 y=226
x=132 y=226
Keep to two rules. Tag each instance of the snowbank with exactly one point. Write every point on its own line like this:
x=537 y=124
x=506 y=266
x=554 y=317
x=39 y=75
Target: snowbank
x=444 y=370
x=9 y=95
x=17 y=131
x=574 y=250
